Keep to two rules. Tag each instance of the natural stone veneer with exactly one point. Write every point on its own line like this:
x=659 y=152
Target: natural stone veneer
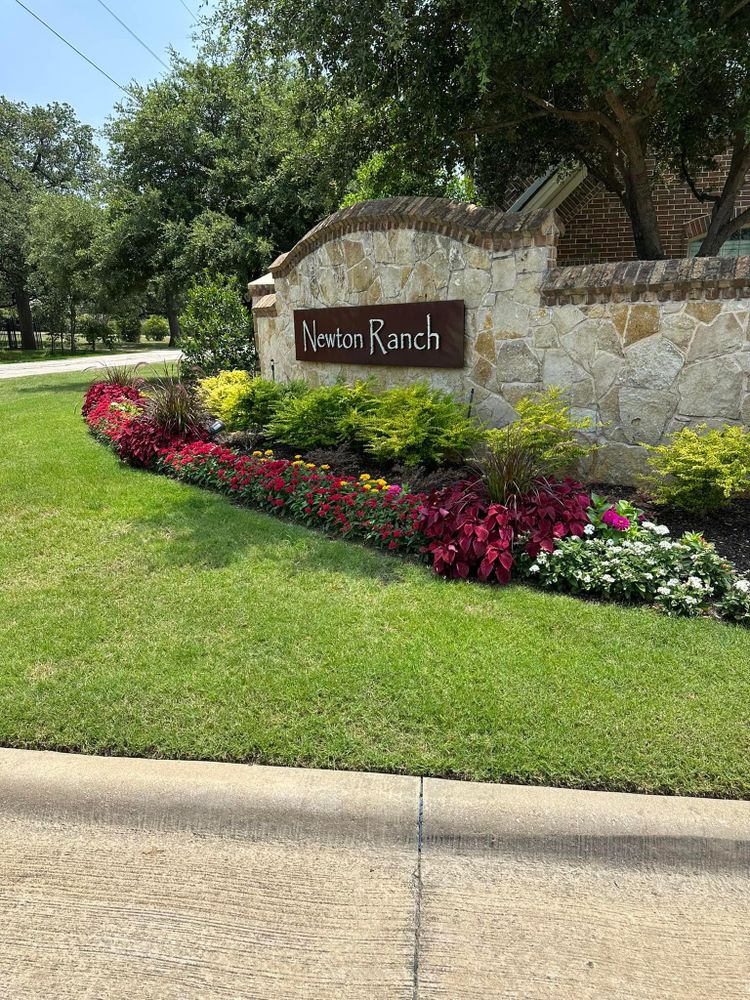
x=643 y=348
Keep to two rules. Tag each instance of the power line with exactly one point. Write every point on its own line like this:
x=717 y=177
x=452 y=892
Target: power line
x=189 y=11
x=71 y=46
x=131 y=32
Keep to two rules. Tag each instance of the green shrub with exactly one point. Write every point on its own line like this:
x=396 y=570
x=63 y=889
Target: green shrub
x=244 y=403
x=97 y=328
x=322 y=417
x=701 y=469
x=546 y=427
x=129 y=328
x=416 y=425
x=155 y=328
x=217 y=328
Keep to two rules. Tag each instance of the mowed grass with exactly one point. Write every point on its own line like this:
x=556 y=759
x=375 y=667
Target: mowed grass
x=142 y=617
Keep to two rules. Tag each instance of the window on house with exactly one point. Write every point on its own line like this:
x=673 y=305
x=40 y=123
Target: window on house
x=738 y=246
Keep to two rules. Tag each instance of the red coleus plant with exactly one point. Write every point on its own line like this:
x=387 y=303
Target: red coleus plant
x=468 y=535
x=551 y=510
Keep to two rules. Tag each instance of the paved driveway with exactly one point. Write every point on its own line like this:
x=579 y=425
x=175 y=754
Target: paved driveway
x=24 y=368
x=169 y=880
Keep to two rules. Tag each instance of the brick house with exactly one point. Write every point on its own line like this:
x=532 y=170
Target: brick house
x=597 y=228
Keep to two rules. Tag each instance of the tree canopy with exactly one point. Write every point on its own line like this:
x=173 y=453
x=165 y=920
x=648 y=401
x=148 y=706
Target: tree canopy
x=43 y=150
x=629 y=88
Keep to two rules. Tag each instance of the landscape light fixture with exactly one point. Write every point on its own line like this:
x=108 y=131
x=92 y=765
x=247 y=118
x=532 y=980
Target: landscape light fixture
x=215 y=427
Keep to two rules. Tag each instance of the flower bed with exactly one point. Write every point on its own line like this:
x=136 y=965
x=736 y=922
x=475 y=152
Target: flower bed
x=556 y=535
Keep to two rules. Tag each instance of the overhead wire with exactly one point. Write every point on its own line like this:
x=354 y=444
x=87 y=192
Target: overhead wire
x=131 y=32
x=70 y=45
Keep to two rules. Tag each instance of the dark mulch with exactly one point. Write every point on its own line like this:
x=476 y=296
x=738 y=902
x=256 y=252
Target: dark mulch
x=728 y=529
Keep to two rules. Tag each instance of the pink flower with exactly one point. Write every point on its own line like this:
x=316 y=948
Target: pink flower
x=614 y=520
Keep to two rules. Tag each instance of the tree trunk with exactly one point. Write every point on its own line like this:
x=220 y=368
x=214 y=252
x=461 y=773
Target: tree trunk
x=25 y=319
x=174 y=322
x=72 y=315
x=724 y=223
x=639 y=203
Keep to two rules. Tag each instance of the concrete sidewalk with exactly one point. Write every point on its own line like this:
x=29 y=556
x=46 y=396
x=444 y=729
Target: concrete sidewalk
x=25 y=368
x=165 y=879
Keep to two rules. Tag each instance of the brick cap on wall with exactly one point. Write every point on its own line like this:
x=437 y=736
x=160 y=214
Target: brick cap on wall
x=483 y=227
x=649 y=280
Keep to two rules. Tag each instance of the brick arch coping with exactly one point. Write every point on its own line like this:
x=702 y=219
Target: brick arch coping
x=487 y=228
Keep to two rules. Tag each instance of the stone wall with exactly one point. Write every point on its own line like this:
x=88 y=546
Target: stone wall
x=643 y=348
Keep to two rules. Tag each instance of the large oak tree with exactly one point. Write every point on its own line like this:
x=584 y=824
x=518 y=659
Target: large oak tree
x=42 y=150
x=630 y=88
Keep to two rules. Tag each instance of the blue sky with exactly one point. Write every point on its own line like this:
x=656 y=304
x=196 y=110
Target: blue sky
x=37 y=68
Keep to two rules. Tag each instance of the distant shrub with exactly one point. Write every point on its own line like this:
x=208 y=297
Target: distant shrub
x=322 y=417
x=701 y=469
x=97 y=328
x=129 y=328
x=242 y=402
x=217 y=329
x=155 y=328
x=416 y=425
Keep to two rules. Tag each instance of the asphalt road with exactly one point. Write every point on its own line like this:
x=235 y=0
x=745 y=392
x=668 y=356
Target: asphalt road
x=21 y=369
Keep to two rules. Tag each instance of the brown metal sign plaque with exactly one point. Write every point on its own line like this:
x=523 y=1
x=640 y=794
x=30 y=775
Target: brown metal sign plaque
x=418 y=334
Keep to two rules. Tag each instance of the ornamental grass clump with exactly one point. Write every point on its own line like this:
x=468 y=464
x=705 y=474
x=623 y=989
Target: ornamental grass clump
x=546 y=430
x=700 y=470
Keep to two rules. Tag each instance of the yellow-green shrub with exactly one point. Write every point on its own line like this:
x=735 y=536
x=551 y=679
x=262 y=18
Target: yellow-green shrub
x=544 y=431
x=322 y=417
x=700 y=469
x=242 y=402
x=417 y=425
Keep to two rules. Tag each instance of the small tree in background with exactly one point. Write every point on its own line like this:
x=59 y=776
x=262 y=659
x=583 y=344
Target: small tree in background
x=217 y=328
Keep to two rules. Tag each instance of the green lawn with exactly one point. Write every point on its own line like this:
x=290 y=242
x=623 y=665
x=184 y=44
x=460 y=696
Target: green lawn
x=140 y=616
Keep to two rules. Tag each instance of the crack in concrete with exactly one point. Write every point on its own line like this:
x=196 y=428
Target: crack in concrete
x=418 y=894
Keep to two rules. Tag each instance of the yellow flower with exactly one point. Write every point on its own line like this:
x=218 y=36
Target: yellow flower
x=298 y=463
x=310 y=465
x=367 y=486
x=269 y=452
x=380 y=482
x=364 y=476
x=325 y=467
x=343 y=482
x=298 y=456
x=257 y=454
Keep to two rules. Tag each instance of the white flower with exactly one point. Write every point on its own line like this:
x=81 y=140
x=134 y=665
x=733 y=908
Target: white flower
x=665 y=545
x=673 y=582
x=534 y=568
x=696 y=582
x=558 y=552
x=589 y=529
x=691 y=600
x=606 y=578
x=743 y=586
x=663 y=590
x=661 y=529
